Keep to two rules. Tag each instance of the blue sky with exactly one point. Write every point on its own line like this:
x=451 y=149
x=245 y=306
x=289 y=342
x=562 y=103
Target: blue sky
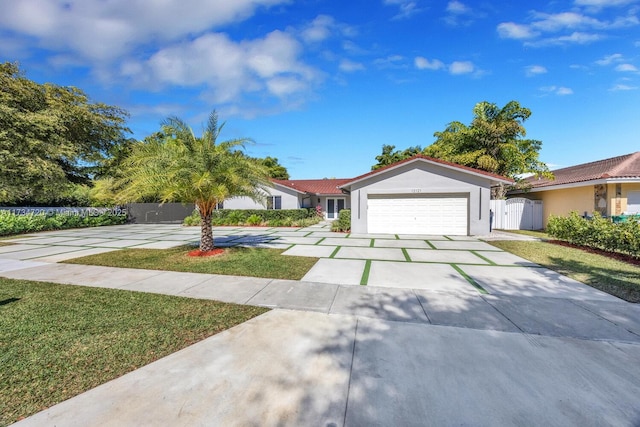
x=322 y=84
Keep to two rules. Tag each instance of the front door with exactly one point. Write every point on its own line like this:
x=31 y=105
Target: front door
x=334 y=206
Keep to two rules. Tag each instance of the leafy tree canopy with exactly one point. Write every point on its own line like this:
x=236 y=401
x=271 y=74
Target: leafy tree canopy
x=494 y=142
x=52 y=137
x=390 y=155
x=276 y=170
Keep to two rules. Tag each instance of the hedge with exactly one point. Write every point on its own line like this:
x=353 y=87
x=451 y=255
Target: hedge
x=270 y=217
x=11 y=223
x=598 y=233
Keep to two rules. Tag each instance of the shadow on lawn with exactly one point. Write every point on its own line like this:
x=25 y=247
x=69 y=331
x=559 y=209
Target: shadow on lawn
x=622 y=284
x=9 y=301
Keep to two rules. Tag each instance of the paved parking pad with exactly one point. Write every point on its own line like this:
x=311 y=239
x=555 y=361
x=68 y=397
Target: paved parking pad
x=467 y=245
x=391 y=254
x=620 y=313
x=387 y=243
x=435 y=277
x=506 y=258
x=336 y=271
x=332 y=241
x=445 y=256
x=519 y=281
x=310 y=251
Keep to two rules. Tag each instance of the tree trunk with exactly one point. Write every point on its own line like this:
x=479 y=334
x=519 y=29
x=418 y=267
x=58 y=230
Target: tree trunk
x=206 y=233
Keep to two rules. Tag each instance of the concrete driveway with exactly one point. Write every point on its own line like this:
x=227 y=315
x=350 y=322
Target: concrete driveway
x=448 y=331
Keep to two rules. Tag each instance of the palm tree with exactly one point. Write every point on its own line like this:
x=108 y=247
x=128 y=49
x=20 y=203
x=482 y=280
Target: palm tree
x=174 y=165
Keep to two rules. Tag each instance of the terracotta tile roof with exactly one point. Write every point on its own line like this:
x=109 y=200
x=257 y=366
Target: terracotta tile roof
x=627 y=166
x=433 y=160
x=314 y=186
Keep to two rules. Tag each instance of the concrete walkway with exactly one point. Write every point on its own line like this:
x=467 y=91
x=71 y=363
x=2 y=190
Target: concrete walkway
x=537 y=348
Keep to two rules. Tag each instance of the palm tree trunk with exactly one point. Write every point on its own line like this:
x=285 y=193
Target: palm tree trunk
x=206 y=233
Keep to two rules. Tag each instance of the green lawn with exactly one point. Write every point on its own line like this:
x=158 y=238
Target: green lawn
x=601 y=272
x=253 y=262
x=533 y=233
x=57 y=341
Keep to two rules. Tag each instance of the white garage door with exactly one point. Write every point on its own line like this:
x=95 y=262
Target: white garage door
x=427 y=214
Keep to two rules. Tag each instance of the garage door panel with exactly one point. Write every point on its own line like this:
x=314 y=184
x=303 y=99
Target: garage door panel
x=418 y=215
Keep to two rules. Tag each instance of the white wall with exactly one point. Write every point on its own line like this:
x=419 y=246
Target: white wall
x=290 y=200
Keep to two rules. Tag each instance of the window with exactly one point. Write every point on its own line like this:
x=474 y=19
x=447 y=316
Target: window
x=633 y=202
x=274 y=202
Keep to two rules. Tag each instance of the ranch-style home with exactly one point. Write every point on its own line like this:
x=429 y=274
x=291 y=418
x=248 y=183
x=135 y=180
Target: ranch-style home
x=419 y=195
x=610 y=187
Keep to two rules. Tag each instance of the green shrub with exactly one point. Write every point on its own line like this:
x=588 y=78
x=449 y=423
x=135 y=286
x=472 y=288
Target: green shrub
x=598 y=233
x=343 y=223
x=11 y=223
x=193 y=219
x=254 y=220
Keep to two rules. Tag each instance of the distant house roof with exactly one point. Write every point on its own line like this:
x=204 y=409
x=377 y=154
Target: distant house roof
x=313 y=186
x=627 y=166
x=420 y=157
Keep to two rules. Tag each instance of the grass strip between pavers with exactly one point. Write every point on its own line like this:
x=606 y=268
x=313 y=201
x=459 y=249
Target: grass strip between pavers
x=470 y=280
x=335 y=252
x=372 y=243
x=406 y=255
x=319 y=241
x=431 y=244
x=365 y=274
x=484 y=258
x=397 y=237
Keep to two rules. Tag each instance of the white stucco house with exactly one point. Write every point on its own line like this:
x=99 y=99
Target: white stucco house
x=419 y=195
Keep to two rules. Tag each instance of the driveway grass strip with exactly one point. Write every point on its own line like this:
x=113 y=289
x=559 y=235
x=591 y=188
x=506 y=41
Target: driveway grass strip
x=430 y=244
x=484 y=258
x=406 y=255
x=365 y=274
x=448 y=238
x=335 y=252
x=397 y=237
x=58 y=341
x=470 y=280
x=319 y=241
x=373 y=241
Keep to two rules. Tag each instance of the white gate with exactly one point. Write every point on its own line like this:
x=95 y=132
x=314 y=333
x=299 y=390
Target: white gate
x=517 y=214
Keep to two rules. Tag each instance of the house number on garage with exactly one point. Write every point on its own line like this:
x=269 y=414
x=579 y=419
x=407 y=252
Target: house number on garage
x=416 y=190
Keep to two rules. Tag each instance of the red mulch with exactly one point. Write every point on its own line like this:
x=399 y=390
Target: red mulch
x=199 y=253
x=620 y=257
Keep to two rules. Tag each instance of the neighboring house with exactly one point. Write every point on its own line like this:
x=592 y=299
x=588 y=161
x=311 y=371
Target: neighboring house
x=610 y=187
x=419 y=195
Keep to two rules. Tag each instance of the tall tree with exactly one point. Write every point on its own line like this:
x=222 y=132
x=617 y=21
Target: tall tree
x=177 y=166
x=494 y=141
x=390 y=155
x=51 y=137
x=276 y=170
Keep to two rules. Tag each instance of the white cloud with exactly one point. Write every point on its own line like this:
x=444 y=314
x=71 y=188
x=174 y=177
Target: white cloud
x=557 y=90
x=603 y=3
x=609 y=59
x=457 y=8
x=349 y=66
x=422 y=63
x=391 y=61
x=511 y=30
x=105 y=30
x=319 y=29
x=622 y=87
x=534 y=70
x=572 y=27
x=461 y=67
x=627 y=67
x=228 y=68
x=407 y=8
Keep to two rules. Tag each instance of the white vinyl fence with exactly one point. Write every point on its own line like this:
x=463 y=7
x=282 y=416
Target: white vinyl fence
x=516 y=214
